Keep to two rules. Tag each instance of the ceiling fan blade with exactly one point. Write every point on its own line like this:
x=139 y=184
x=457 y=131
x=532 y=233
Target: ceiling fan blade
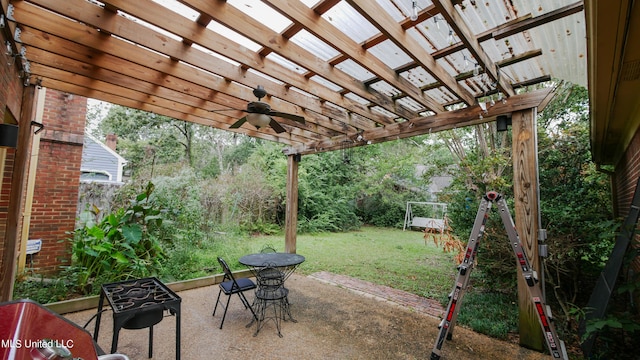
x=276 y=127
x=238 y=123
x=293 y=117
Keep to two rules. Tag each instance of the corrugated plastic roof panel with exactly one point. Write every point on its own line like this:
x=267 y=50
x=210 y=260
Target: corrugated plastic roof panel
x=562 y=41
x=390 y=54
x=349 y=21
x=310 y=48
x=435 y=33
x=311 y=43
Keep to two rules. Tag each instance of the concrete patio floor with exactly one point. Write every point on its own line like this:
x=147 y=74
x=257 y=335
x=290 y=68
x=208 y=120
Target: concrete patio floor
x=353 y=320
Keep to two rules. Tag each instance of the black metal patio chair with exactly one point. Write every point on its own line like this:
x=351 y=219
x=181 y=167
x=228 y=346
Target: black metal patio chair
x=267 y=249
x=229 y=286
x=270 y=295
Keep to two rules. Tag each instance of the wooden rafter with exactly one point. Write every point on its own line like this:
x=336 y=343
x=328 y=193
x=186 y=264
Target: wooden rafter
x=472 y=44
x=394 y=32
x=109 y=52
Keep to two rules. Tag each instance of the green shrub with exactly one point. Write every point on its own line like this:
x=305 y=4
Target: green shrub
x=124 y=244
x=181 y=194
x=42 y=290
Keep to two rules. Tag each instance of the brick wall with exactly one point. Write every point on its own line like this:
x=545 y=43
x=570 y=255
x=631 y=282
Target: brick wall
x=627 y=173
x=4 y=195
x=626 y=179
x=11 y=85
x=10 y=104
x=57 y=181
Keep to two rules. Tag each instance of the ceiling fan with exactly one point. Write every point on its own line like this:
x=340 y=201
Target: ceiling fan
x=259 y=114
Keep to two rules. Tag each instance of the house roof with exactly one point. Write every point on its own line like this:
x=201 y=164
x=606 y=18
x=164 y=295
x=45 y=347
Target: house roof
x=99 y=158
x=358 y=71
x=118 y=157
x=614 y=76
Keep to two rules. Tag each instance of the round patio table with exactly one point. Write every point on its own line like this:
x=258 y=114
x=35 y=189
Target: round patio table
x=286 y=264
x=286 y=261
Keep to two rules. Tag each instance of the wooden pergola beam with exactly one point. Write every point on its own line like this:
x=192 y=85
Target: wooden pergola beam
x=429 y=124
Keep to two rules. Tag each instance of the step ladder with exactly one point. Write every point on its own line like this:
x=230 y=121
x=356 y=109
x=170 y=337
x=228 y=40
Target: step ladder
x=554 y=344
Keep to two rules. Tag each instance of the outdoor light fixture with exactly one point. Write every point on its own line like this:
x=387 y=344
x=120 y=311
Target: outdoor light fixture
x=414 y=11
x=503 y=122
x=8 y=135
x=346 y=151
x=258 y=120
x=476 y=69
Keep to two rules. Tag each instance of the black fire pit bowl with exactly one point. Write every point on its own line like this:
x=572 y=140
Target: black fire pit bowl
x=144 y=319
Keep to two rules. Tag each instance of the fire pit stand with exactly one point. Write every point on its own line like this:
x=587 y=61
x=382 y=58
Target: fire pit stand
x=138 y=304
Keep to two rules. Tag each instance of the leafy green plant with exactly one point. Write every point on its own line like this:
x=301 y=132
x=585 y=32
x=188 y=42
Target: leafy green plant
x=624 y=322
x=124 y=244
x=43 y=290
x=261 y=227
x=615 y=336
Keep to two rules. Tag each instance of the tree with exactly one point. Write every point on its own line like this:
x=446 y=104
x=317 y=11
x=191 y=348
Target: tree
x=96 y=111
x=387 y=175
x=482 y=163
x=147 y=139
x=482 y=155
x=575 y=198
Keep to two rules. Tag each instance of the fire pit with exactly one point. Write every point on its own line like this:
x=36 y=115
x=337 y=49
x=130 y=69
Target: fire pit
x=139 y=304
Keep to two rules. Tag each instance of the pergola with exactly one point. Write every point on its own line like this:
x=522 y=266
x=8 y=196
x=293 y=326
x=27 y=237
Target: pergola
x=359 y=71
x=349 y=67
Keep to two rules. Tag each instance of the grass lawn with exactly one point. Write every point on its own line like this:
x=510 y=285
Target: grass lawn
x=391 y=257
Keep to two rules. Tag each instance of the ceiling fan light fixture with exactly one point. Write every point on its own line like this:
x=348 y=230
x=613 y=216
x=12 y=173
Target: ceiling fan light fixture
x=258 y=120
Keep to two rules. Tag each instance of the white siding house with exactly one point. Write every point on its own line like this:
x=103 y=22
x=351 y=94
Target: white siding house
x=100 y=163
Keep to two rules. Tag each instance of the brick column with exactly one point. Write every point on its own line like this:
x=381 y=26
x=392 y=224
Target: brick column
x=56 y=189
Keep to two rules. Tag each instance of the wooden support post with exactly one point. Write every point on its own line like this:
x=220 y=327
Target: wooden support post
x=30 y=183
x=525 y=189
x=10 y=249
x=291 y=216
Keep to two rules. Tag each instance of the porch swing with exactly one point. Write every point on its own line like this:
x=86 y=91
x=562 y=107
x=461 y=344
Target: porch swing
x=432 y=217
